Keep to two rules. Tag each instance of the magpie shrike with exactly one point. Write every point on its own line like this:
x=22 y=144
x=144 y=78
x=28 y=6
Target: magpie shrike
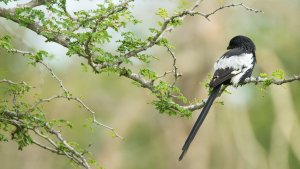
x=233 y=67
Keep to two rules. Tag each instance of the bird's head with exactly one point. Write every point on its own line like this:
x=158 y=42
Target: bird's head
x=242 y=42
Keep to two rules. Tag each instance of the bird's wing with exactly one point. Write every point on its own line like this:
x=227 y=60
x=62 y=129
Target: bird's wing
x=221 y=76
x=230 y=64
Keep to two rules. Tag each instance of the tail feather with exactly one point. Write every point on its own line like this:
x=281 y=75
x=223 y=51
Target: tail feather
x=200 y=120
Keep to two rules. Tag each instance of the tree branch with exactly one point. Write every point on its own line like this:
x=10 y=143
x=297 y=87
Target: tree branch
x=251 y=80
x=222 y=7
x=17 y=120
x=66 y=95
x=10 y=14
x=32 y=4
x=256 y=80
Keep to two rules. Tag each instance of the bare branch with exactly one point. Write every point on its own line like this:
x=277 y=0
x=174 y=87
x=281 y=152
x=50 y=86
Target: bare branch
x=94 y=117
x=139 y=79
x=8 y=82
x=46 y=147
x=176 y=74
x=56 y=78
x=228 y=6
x=207 y=15
x=22 y=52
x=15 y=83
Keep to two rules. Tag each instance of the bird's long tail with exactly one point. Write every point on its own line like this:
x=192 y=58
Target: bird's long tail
x=200 y=120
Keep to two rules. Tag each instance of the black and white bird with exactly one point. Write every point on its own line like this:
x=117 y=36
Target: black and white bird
x=233 y=67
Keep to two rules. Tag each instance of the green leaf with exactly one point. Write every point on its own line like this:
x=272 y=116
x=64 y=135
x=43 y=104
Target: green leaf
x=263 y=75
x=162 y=13
x=84 y=67
x=38 y=57
x=279 y=74
x=176 y=22
x=5 y=42
x=22 y=137
x=148 y=73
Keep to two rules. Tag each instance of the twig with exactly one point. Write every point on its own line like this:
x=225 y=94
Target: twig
x=165 y=74
x=176 y=74
x=8 y=82
x=46 y=147
x=94 y=117
x=228 y=6
x=15 y=83
x=56 y=78
x=207 y=15
x=22 y=52
x=66 y=144
x=68 y=96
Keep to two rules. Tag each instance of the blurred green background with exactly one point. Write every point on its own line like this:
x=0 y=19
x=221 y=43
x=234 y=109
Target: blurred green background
x=255 y=129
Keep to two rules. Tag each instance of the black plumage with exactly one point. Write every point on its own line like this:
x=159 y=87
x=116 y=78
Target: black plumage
x=233 y=67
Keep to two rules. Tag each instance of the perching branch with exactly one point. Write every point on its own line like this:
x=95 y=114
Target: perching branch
x=252 y=80
x=257 y=80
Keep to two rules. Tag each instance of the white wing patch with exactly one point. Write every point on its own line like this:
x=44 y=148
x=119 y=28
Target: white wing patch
x=235 y=62
x=240 y=64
